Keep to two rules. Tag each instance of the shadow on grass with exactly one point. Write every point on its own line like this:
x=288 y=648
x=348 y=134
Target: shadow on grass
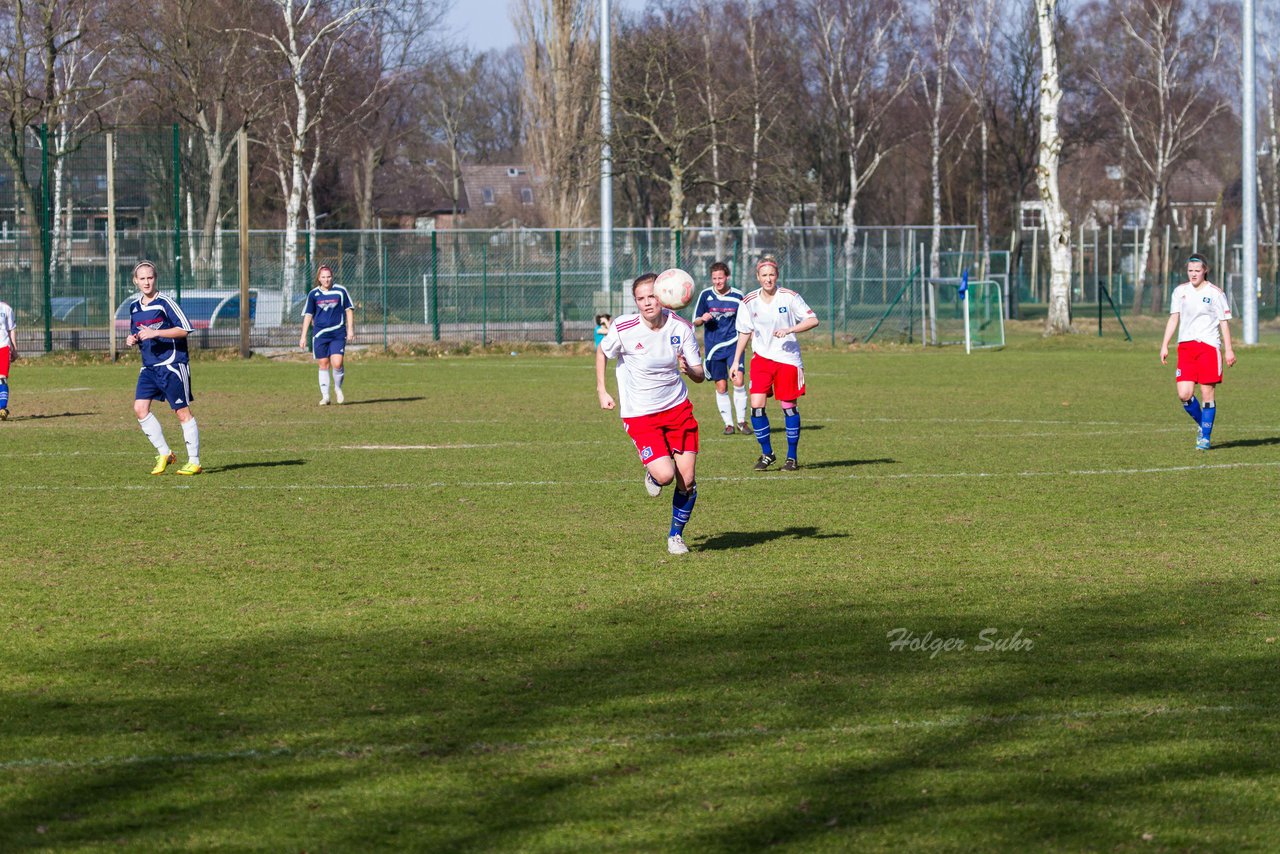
x=682 y=720
x=265 y=464
x=41 y=417
x=744 y=539
x=1249 y=443
x=382 y=400
x=839 y=464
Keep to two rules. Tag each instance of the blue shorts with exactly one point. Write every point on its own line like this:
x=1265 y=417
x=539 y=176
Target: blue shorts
x=329 y=345
x=718 y=369
x=170 y=383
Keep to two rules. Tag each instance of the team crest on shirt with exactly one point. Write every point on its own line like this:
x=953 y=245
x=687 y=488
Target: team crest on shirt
x=675 y=340
x=782 y=309
x=646 y=452
x=1206 y=300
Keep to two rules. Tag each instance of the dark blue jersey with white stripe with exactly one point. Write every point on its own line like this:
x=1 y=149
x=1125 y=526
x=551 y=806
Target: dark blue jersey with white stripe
x=328 y=310
x=718 y=334
x=161 y=313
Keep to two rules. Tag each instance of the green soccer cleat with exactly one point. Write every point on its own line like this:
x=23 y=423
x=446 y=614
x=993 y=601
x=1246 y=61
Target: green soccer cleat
x=163 y=462
x=190 y=469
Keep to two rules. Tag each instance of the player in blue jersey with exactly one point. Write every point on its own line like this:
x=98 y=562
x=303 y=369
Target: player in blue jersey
x=716 y=311
x=330 y=308
x=159 y=329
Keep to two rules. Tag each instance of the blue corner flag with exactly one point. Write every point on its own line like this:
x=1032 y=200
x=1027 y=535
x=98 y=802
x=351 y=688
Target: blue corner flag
x=964 y=285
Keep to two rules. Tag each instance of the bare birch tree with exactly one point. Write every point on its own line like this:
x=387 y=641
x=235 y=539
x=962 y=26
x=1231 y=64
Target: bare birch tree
x=306 y=42
x=863 y=69
x=1164 y=99
x=1057 y=223
x=561 y=107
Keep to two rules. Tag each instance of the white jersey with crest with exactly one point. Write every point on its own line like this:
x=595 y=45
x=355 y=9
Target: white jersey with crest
x=1199 y=312
x=648 y=371
x=762 y=319
x=7 y=324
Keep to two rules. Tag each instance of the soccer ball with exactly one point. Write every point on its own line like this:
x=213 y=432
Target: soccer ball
x=674 y=288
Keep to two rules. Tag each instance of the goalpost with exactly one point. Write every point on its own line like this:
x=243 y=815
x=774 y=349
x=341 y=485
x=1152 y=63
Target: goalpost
x=963 y=312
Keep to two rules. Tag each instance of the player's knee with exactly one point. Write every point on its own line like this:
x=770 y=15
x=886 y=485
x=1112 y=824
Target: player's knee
x=141 y=410
x=1185 y=396
x=789 y=408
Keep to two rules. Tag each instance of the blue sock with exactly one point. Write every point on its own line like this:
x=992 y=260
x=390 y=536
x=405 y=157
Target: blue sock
x=760 y=424
x=1206 y=419
x=682 y=508
x=791 y=417
x=1193 y=408
x=4 y=394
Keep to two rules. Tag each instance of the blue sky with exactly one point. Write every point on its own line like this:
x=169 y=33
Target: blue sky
x=485 y=24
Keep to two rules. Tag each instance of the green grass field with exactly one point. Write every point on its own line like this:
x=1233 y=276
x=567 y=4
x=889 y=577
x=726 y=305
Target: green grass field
x=443 y=617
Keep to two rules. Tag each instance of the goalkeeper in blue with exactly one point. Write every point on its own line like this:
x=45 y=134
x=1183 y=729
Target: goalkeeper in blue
x=159 y=329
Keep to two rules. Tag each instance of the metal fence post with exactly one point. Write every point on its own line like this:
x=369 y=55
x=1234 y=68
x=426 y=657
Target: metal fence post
x=831 y=286
x=558 y=314
x=435 y=294
x=46 y=238
x=177 y=213
x=484 y=293
x=386 y=306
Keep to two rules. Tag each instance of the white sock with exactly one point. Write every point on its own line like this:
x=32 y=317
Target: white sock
x=338 y=374
x=151 y=429
x=740 y=403
x=324 y=382
x=191 y=433
x=722 y=403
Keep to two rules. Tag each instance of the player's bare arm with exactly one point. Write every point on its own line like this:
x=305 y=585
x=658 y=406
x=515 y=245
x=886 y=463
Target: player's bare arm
x=146 y=333
x=1226 y=342
x=351 y=325
x=1169 y=329
x=697 y=372
x=602 y=391
x=743 y=337
x=803 y=326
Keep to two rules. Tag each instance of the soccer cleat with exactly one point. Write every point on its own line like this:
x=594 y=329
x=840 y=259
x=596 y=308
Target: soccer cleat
x=745 y=428
x=4 y=415
x=675 y=545
x=163 y=462
x=338 y=397
x=765 y=461
x=1202 y=444
x=651 y=486
x=324 y=401
x=790 y=464
x=190 y=469
x=728 y=429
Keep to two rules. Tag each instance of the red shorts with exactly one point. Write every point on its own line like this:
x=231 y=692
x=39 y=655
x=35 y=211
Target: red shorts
x=1198 y=362
x=783 y=381
x=4 y=361
x=672 y=431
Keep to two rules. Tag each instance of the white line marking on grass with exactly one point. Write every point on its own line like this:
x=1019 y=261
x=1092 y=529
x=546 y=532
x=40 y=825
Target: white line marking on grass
x=424 y=447
x=760 y=479
x=621 y=740
x=39 y=391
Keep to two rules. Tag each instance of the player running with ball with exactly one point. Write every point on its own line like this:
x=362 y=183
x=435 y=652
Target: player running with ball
x=653 y=347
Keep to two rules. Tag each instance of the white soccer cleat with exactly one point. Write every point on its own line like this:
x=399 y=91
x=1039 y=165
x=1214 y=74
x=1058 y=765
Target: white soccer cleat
x=675 y=545
x=324 y=401
x=337 y=393
x=651 y=486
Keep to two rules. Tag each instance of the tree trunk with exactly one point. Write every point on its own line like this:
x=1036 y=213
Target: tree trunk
x=1057 y=223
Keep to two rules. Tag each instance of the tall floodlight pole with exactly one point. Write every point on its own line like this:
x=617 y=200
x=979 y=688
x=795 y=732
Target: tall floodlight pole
x=606 y=157
x=1249 y=178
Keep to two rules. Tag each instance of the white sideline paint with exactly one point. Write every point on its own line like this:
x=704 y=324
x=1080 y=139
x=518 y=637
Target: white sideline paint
x=624 y=740
x=757 y=479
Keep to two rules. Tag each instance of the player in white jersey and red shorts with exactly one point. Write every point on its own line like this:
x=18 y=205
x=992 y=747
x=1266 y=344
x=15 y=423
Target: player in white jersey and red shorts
x=8 y=351
x=653 y=347
x=1200 y=313
x=770 y=318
